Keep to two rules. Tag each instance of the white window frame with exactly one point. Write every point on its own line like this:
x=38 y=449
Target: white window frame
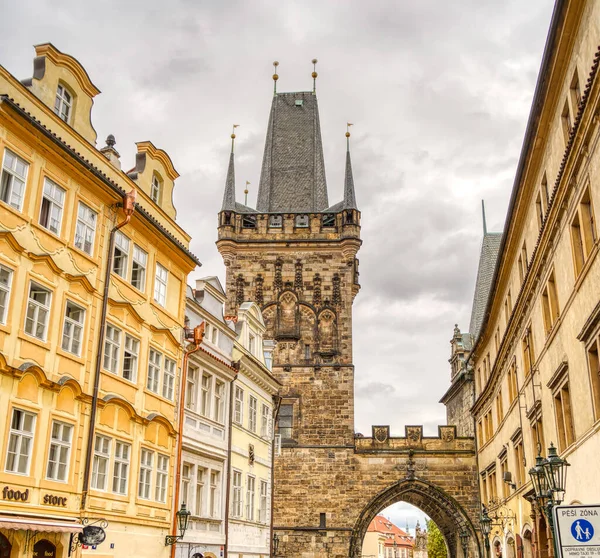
x=186 y=481
x=219 y=401
x=54 y=195
x=113 y=343
x=154 y=367
x=131 y=352
x=12 y=182
x=199 y=492
x=161 y=279
x=206 y=382
x=238 y=409
x=155 y=189
x=265 y=415
x=121 y=462
x=263 y=505
x=250 y=494
x=252 y=413
x=63 y=103
x=6 y=277
x=122 y=244
x=37 y=308
x=59 y=452
x=72 y=334
x=162 y=477
x=191 y=389
x=85 y=229
x=102 y=452
x=139 y=263
x=237 y=497
x=214 y=336
x=168 y=379
x=22 y=442
x=213 y=498
x=145 y=476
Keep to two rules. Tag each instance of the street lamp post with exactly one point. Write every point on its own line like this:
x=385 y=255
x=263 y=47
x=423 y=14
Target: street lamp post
x=486 y=526
x=549 y=478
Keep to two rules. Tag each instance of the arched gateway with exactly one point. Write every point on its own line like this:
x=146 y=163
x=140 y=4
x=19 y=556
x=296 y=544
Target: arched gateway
x=295 y=256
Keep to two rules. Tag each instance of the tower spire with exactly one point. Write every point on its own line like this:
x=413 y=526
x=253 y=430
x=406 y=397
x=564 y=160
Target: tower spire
x=483 y=215
x=314 y=74
x=229 y=194
x=349 y=195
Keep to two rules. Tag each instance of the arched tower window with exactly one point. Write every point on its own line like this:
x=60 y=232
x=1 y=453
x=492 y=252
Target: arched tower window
x=63 y=104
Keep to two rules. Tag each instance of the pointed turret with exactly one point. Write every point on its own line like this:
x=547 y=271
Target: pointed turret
x=349 y=195
x=229 y=195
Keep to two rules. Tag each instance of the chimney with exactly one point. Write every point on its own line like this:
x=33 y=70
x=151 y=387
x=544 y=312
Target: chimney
x=110 y=152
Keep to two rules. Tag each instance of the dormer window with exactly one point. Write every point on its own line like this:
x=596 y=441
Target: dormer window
x=329 y=220
x=249 y=221
x=63 y=104
x=302 y=221
x=155 y=189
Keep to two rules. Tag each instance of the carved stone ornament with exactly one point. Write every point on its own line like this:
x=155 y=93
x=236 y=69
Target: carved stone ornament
x=239 y=290
x=259 y=296
x=414 y=434
x=336 y=298
x=447 y=433
x=317 y=290
x=298 y=283
x=278 y=280
x=381 y=434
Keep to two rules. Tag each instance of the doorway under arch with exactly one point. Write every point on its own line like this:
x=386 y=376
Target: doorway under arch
x=443 y=509
x=5 y=547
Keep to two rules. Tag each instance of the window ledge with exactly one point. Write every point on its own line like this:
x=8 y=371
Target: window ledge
x=35 y=340
x=129 y=383
x=71 y=356
x=157 y=395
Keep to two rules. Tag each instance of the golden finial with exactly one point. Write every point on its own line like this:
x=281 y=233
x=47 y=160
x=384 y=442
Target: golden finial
x=233 y=135
x=275 y=77
x=246 y=193
x=348 y=124
x=314 y=74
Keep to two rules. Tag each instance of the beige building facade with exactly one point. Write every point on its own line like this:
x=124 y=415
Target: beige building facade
x=93 y=271
x=536 y=313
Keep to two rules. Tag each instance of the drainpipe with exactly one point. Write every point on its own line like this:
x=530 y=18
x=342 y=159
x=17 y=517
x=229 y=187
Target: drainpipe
x=196 y=335
x=236 y=365
x=128 y=205
x=276 y=405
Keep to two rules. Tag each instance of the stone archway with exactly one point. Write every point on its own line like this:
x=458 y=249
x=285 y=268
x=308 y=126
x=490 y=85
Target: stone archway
x=444 y=510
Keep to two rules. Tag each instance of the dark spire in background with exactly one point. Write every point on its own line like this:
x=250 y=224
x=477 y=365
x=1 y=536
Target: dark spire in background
x=229 y=195
x=349 y=195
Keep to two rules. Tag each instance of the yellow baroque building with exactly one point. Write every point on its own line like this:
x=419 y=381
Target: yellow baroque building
x=93 y=275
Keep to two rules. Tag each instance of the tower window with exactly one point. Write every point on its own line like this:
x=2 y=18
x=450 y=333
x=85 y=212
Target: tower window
x=329 y=220
x=302 y=221
x=63 y=104
x=349 y=217
x=249 y=222
x=299 y=102
x=275 y=221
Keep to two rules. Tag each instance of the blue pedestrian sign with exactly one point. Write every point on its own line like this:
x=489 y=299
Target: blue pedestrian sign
x=577 y=531
x=582 y=530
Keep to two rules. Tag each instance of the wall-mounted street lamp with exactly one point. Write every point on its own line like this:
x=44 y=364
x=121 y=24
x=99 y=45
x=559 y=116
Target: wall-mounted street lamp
x=183 y=518
x=549 y=478
x=486 y=526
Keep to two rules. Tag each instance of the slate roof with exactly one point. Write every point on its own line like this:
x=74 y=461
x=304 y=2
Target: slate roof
x=487 y=265
x=293 y=169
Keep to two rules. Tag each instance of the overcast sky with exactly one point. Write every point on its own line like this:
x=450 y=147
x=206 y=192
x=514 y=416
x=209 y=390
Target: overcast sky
x=439 y=94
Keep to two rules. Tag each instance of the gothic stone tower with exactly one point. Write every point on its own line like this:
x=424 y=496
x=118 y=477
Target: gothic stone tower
x=295 y=256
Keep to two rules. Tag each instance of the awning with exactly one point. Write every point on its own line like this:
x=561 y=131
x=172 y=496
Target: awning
x=31 y=524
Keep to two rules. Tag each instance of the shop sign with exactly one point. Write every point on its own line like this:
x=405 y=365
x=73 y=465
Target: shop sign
x=53 y=500
x=9 y=493
x=92 y=535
